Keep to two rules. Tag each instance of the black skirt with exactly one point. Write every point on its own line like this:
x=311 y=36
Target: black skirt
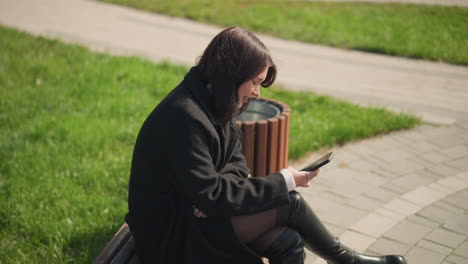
x=220 y=233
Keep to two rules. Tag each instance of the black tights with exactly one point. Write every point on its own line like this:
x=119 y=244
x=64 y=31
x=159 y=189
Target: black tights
x=258 y=231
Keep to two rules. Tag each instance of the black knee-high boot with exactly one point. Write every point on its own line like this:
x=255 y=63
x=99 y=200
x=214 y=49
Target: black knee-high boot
x=318 y=240
x=288 y=248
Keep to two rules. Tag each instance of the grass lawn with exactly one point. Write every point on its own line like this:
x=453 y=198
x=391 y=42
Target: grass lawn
x=416 y=31
x=68 y=121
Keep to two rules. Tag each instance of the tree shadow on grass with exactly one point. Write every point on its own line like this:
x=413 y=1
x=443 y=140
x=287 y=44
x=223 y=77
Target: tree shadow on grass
x=87 y=246
x=382 y=51
x=378 y=51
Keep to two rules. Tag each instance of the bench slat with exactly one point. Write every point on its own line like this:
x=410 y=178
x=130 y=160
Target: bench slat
x=125 y=252
x=134 y=260
x=113 y=247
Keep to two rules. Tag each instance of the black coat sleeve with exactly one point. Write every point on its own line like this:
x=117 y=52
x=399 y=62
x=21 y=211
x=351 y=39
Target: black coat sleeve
x=192 y=148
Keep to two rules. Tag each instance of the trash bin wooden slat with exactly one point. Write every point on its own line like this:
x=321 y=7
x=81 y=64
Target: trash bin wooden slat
x=286 y=112
x=261 y=147
x=272 y=150
x=281 y=136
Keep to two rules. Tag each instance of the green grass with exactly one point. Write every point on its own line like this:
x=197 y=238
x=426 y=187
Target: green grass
x=416 y=31
x=68 y=121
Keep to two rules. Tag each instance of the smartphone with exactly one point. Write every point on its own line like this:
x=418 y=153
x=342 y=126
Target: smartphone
x=319 y=163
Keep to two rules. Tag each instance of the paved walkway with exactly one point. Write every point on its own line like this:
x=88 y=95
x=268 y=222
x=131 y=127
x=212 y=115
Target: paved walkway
x=404 y=193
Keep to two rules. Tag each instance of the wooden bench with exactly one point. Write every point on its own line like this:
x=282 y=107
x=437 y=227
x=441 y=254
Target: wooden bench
x=120 y=250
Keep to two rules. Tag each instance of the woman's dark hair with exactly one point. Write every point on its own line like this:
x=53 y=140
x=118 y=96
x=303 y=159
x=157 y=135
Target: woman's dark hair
x=233 y=57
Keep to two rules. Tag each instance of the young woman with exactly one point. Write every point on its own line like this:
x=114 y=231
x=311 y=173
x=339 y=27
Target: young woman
x=190 y=197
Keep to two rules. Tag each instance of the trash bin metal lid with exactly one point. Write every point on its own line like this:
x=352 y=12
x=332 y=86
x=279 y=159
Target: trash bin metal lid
x=259 y=109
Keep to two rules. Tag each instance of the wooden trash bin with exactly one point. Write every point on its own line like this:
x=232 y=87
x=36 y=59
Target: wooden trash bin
x=265 y=139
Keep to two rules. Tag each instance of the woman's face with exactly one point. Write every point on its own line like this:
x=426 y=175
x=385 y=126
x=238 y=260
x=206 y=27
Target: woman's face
x=251 y=88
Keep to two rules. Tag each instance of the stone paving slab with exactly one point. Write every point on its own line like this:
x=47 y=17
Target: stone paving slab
x=436 y=214
x=454 y=259
x=423 y=255
x=462 y=250
x=386 y=246
x=435 y=247
x=458 y=224
x=446 y=238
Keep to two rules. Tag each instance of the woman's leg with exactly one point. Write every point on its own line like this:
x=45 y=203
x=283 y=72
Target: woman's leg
x=318 y=240
x=249 y=227
x=262 y=234
x=286 y=248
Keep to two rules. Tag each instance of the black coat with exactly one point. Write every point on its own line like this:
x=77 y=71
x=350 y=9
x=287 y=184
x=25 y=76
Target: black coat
x=183 y=158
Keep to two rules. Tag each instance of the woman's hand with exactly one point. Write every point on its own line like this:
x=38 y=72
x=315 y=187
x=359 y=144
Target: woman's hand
x=198 y=213
x=302 y=178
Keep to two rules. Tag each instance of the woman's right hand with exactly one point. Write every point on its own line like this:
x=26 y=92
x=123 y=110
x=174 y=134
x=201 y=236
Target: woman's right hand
x=198 y=213
x=302 y=178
